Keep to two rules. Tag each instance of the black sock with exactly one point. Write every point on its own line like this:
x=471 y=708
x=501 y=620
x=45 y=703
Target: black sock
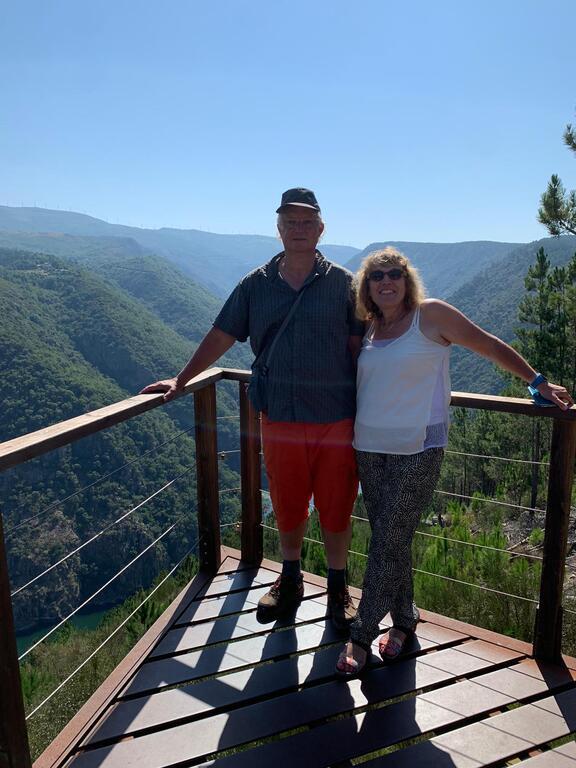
x=291 y=569
x=336 y=579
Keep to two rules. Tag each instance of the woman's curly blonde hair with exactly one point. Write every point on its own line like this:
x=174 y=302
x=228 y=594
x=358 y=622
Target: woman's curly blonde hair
x=366 y=309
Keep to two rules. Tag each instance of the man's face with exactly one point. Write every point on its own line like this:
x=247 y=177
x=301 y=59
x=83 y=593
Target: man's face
x=300 y=228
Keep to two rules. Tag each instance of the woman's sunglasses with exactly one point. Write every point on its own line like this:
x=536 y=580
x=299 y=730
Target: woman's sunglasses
x=378 y=274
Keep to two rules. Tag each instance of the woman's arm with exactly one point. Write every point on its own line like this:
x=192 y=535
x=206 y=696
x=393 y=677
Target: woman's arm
x=444 y=323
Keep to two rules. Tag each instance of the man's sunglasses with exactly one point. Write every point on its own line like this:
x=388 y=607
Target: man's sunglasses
x=378 y=275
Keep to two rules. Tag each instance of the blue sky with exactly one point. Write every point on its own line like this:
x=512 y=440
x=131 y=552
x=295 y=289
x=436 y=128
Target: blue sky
x=415 y=121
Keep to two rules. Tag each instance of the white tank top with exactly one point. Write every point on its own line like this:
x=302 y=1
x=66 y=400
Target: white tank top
x=395 y=391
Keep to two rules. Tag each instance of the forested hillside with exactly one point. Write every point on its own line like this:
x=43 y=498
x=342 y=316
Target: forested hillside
x=215 y=261
x=72 y=340
x=491 y=299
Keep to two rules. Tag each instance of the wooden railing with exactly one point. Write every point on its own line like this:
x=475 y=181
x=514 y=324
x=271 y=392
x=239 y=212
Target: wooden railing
x=14 y=751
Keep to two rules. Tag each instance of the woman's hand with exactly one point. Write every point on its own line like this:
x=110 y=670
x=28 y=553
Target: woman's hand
x=556 y=394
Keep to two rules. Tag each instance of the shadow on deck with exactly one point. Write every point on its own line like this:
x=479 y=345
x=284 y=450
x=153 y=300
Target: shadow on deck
x=209 y=685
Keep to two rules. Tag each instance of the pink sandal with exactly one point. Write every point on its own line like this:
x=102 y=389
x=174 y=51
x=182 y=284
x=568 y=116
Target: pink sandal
x=347 y=665
x=391 y=648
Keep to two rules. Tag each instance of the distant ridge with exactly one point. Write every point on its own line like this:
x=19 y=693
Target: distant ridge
x=444 y=267
x=491 y=299
x=193 y=251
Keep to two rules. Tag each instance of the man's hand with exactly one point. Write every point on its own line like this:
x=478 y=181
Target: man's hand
x=168 y=386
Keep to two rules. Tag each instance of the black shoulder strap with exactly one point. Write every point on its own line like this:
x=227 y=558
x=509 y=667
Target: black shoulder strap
x=285 y=322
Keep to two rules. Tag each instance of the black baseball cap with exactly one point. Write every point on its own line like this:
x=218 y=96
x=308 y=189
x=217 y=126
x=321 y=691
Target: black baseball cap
x=299 y=196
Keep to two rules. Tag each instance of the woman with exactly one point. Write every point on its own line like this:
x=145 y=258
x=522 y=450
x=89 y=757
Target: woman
x=403 y=394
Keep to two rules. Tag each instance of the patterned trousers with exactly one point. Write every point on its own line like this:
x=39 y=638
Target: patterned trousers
x=396 y=490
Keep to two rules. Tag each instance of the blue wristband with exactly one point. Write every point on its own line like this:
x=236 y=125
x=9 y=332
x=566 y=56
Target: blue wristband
x=537 y=380
x=539 y=399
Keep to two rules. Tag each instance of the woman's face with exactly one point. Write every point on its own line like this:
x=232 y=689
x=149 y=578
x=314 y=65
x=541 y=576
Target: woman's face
x=387 y=286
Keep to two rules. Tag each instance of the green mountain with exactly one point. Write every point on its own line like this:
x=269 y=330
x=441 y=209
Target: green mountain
x=444 y=267
x=73 y=339
x=491 y=299
x=215 y=261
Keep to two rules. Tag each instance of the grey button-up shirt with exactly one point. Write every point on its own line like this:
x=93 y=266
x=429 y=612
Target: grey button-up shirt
x=312 y=376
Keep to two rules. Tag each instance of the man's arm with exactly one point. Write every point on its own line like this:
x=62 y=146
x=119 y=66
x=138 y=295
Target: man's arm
x=213 y=346
x=354 y=345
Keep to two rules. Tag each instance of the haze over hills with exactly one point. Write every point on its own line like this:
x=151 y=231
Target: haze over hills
x=444 y=267
x=215 y=261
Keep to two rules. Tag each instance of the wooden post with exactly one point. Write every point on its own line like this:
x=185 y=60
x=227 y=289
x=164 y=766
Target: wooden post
x=207 y=478
x=250 y=468
x=14 y=749
x=548 y=626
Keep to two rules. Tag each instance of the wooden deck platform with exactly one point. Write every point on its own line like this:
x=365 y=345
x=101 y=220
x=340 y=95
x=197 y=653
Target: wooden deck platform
x=210 y=686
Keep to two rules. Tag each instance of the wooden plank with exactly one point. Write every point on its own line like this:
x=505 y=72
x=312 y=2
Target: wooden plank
x=472 y=745
x=567 y=749
x=494 y=653
x=21 y=449
x=64 y=743
x=207 y=478
x=552 y=673
x=497 y=738
x=243 y=687
x=514 y=681
x=236 y=374
x=377 y=727
x=561 y=704
x=251 y=472
x=234 y=602
x=554 y=758
x=453 y=659
x=231 y=628
x=163 y=672
x=477 y=632
x=492 y=740
x=234 y=582
x=13 y=732
x=548 y=625
x=212 y=660
x=517 y=405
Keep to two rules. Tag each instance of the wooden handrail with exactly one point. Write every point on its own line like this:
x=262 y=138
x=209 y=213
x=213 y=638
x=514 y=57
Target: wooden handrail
x=21 y=449
x=548 y=627
x=514 y=405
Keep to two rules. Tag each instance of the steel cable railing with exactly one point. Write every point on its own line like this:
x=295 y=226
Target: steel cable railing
x=98 y=480
x=100 y=533
x=489 y=501
x=461 y=541
x=112 y=634
x=498 y=458
x=99 y=590
x=427 y=573
x=122 y=570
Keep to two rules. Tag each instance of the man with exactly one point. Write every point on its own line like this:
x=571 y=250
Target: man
x=307 y=430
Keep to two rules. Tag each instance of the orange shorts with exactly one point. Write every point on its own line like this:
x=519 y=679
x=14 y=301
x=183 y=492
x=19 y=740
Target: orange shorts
x=304 y=459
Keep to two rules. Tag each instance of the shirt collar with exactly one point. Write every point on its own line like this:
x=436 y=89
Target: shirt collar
x=320 y=265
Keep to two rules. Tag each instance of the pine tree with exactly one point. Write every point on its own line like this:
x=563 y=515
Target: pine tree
x=557 y=207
